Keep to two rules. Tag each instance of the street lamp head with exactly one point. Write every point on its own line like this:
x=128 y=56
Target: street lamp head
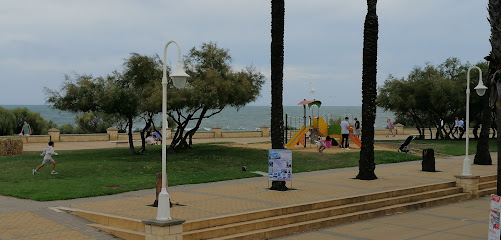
x=179 y=76
x=480 y=88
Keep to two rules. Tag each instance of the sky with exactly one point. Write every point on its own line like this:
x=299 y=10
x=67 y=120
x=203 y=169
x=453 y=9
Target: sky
x=42 y=41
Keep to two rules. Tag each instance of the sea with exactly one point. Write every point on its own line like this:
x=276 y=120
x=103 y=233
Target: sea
x=248 y=118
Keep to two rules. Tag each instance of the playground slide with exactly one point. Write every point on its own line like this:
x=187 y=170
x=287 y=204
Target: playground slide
x=321 y=125
x=356 y=140
x=299 y=135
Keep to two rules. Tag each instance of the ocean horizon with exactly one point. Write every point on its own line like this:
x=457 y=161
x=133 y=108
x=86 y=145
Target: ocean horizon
x=248 y=118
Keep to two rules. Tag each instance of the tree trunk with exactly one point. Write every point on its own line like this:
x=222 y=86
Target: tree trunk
x=143 y=138
x=277 y=76
x=483 y=156
x=494 y=59
x=131 y=139
x=369 y=93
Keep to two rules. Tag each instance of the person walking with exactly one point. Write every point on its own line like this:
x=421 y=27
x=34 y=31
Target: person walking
x=27 y=131
x=47 y=157
x=345 y=132
x=461 y=128
x=357 y=128
x=390 y=127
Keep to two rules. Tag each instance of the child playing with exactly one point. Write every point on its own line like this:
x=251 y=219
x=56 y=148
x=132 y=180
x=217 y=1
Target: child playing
x=47 y=157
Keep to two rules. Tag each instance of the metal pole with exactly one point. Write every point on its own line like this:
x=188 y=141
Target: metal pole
x=163 y=211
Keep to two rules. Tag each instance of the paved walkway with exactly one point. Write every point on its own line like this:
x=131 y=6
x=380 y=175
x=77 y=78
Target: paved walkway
x=26 y=219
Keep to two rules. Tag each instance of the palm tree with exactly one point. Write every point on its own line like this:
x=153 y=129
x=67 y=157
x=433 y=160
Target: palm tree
x=369 y=93
x=495 y=70
x=277 y=75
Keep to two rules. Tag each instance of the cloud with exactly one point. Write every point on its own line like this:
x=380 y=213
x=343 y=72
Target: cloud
x=40 y=41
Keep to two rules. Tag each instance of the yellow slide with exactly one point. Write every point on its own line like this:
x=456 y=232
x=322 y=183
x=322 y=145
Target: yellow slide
x=320 y=124
x=299 y=135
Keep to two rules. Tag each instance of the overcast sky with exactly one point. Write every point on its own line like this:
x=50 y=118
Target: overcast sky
x=41 y=41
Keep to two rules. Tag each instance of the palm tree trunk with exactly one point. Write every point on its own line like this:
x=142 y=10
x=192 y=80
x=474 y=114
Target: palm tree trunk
x=277 y=76
x=495 y=62
x=277 y=73
x=369 y=93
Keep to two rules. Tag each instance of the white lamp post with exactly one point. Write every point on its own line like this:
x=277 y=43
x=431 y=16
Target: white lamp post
x=179 y=79
x=480 y=88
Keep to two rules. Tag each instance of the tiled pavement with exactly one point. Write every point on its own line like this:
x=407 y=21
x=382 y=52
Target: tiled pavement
x=24 y=219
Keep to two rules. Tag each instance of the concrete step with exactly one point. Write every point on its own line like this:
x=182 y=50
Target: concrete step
x=307 y=212
x=280 y=211
x=488 y=178
x=314 y=214
x=284 y=230
x=485 y=185
x=487 y=191
x=120 y=226
x=120 y=232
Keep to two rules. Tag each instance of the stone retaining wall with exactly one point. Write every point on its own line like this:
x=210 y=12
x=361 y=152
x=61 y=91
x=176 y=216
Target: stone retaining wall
x=113 y=135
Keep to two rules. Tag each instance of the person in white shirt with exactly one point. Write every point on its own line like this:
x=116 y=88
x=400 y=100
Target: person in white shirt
x=345 y=133
x=47 y=157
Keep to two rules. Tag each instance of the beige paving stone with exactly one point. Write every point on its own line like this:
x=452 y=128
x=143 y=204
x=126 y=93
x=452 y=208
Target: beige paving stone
x=444 y=236
x=187 y=198
x=18 y=224
x=64 y=235
x=313 y=235
x=460 y=212
x=422 y=222
x=378 y=230
x=472 y=230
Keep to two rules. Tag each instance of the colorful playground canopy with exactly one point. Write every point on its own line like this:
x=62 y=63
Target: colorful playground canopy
x=310 y=103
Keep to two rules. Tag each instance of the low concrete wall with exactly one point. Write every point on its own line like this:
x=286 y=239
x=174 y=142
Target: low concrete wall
x=241 y=134
x=32 y=138
x=84 y=137
x=125 y=136
x=204 y=135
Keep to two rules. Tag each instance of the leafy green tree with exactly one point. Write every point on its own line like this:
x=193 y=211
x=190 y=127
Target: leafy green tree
x=126 y=94
x=432 y=96
x=38 y=124
x=369 y=93
x=93 y=122
x=144 y=74
x=7 y=122
x=212 y=86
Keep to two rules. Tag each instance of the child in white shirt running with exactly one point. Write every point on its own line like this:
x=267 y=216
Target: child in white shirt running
x=47 y=157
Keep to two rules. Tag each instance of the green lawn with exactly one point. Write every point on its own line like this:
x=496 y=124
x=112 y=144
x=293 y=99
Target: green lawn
x=447 y=147
x=85 y=173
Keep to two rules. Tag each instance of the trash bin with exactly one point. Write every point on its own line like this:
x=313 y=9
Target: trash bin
x=428 y=164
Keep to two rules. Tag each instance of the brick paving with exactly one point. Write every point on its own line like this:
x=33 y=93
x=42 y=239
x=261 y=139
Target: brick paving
x=26 y=219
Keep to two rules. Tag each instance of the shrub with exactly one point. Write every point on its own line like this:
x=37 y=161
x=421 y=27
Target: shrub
x=11 y=146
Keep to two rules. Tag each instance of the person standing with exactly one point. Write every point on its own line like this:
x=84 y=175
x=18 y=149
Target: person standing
x=47 y=157
x=357 y=128
x=390 y=127
x=345 y=132
x=26 y=129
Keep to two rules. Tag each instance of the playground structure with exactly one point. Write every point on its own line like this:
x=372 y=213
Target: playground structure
x=317 y=127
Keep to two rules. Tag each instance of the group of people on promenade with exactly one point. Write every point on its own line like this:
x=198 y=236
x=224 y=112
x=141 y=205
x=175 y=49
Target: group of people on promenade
x=345 y=133
x=458 y=127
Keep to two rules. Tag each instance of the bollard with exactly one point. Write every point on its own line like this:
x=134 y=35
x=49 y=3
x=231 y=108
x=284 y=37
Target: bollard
x=428 y=164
